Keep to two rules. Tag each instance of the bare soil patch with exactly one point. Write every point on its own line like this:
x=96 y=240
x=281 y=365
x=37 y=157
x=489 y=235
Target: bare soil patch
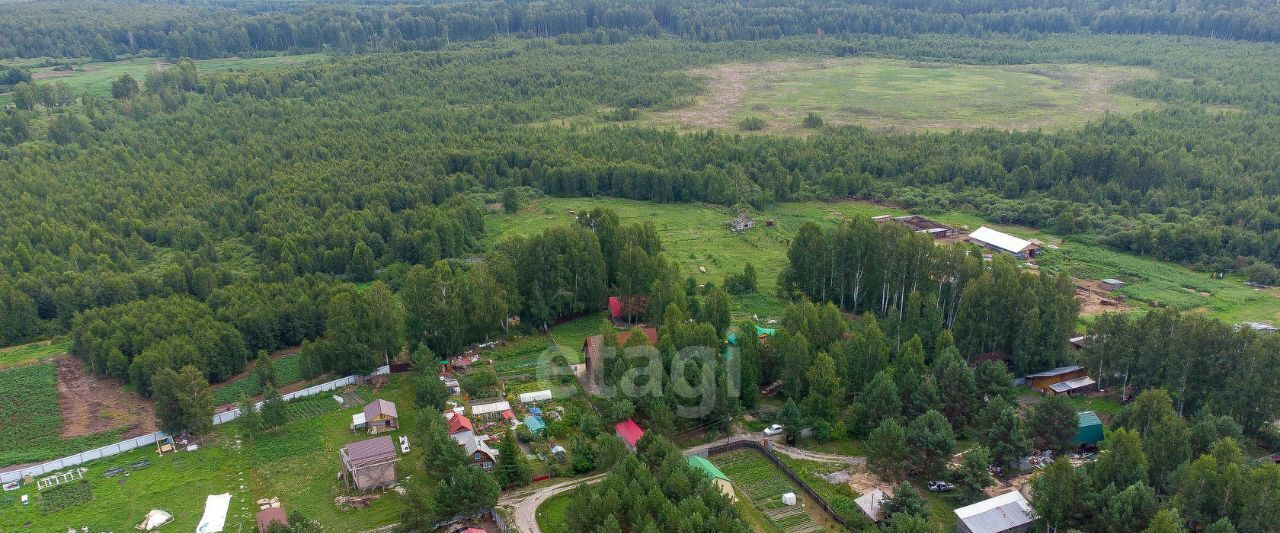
x=1095 y=299
x=91 y=404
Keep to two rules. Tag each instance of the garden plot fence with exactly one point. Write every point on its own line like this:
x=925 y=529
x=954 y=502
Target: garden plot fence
x=149 y=439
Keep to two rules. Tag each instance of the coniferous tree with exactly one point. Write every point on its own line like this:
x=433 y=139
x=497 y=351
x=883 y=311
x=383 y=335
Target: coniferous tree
x=512 y=469
x=1053 y=422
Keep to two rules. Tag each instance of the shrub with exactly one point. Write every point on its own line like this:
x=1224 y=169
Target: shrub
x=752 y=124
x=812 y=120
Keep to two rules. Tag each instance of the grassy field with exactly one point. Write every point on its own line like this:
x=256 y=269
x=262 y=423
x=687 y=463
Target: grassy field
x=896 y=94
x=33 y=352
x=695 y=237
x=31 y=420
x=553 y=513
x=95 y=78
x=297 y=463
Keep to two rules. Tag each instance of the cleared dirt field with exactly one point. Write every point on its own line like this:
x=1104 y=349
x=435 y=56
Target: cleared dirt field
x=887 y=94
x=91 y=404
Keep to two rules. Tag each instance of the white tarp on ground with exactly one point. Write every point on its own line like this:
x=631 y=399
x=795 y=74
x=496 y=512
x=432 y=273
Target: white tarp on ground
x=215 y=513
x=155 y=519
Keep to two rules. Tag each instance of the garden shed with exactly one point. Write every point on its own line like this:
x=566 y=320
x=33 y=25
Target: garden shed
x=1090 y=430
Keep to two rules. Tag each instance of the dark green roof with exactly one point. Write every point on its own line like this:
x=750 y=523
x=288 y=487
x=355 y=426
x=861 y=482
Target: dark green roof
x=1090 y=431
x=701 y=463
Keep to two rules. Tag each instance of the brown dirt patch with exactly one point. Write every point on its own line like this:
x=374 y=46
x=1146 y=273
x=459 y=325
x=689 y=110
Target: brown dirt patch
x=863 y=481
x=1095 y=299
x=91 y=404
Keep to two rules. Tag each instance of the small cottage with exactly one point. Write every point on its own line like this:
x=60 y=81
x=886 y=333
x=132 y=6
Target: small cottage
x=380 y=417
x=743 y=222
x=1043 y=381
x=702 y=464
x=1006 y=513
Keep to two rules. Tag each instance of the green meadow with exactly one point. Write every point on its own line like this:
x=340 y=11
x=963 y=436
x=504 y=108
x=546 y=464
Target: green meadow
x=33 y=352
x=95 y=78
x=886 y=94
x=695 y=236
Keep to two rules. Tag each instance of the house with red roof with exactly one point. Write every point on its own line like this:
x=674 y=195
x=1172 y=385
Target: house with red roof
x=477 y=449
x=629 y=432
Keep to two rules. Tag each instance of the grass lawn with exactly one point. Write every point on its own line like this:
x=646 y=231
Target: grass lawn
x=897 y=94
x=553 y=513
x=95 y=78
x=695 y=237
x=33 y=352
x=297 y=463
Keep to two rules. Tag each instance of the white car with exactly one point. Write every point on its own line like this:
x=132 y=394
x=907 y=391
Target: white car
x=775 y=429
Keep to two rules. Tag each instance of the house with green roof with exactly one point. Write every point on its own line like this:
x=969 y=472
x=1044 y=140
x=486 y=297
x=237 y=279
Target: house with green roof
x=702 y=464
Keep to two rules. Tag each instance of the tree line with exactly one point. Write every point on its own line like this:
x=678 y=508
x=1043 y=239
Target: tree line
x=245 y=27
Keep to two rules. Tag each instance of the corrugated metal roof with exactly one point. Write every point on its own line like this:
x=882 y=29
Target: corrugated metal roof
x=1055 y=372
x=380 y=407
x=870 y=504
x=1006 y=511
x=373 y=450
x=1000 y=240
x=1072 y=384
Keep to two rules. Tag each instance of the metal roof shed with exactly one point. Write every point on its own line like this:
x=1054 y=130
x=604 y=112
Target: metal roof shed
x=1003 y=513
x=1090 y=430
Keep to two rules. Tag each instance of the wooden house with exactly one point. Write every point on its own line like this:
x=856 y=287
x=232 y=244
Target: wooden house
x=1043 y=381
x=380 y=417
x=271 y=515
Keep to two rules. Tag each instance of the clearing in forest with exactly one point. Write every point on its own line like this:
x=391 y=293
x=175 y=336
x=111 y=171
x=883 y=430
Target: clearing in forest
x=886 y=94
x=92 y=404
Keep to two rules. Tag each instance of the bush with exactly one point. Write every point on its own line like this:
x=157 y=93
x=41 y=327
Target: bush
x=479 y=382
x=752 y=124
x=812 y=120
x=1263 y=273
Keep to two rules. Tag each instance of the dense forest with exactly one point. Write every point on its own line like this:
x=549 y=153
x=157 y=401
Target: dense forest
x=204 y=29
x=366 y=163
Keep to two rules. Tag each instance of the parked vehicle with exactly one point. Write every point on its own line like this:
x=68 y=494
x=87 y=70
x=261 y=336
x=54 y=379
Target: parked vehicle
x=775 y=429
x=941 y=486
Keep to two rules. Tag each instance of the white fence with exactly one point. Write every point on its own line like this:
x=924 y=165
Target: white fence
x=147 y=440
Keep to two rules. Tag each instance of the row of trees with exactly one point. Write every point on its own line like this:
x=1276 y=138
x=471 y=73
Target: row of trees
x=1203 y=363
x=889 y=270
x=247 y=27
